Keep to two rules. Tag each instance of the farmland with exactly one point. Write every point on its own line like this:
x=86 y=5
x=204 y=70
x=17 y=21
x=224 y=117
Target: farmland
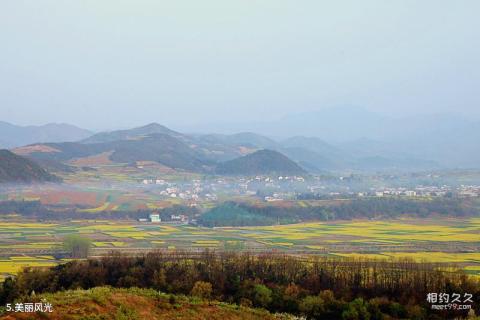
x=457 y=241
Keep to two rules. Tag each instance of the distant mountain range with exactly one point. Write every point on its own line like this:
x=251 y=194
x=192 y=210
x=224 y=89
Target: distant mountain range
x=217 y=153
x=17 y=169
x=341 y=139
x=447 y=140
x=363 y=141
x=348 y=123
x=12 y=136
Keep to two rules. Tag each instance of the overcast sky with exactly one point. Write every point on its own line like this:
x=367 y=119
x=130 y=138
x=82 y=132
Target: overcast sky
x=114 y=63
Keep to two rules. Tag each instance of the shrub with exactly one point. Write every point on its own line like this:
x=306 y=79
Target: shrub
x=263 y=295
x=202 y=289
x=356 y=310
x=125 y=313
x=312 y=307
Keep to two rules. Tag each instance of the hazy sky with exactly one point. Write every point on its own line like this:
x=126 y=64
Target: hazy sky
x=113 y=63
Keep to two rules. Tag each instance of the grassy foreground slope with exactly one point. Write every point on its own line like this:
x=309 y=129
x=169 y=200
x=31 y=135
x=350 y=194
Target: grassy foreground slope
x=102 y=303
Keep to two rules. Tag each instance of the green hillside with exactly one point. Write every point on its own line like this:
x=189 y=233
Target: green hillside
x=261 y=162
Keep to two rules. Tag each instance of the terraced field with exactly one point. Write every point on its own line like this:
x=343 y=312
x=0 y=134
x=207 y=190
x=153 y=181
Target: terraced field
x=437 y=240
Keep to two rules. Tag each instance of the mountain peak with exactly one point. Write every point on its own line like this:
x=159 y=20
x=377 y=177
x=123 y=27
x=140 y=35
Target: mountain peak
x=153 y=126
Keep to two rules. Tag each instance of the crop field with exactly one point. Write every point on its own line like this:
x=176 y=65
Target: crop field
x=14 y=264
x=91 y=198
x=445 y=240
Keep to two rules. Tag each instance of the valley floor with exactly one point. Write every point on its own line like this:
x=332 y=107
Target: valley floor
x=443 y=240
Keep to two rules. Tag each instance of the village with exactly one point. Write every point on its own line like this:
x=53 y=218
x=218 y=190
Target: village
x=279 y=188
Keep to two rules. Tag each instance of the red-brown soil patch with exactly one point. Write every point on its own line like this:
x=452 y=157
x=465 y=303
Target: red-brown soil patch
x=23 y=151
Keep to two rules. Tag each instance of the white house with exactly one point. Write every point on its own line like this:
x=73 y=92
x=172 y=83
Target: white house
x=154 y=217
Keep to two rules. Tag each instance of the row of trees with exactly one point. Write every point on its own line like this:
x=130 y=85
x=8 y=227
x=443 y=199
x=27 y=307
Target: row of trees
x=319 y=288
x=244 y=214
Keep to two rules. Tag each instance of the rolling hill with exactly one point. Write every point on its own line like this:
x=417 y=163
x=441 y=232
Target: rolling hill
x=161 y=148
x=17 y=169
x=261 y=162
x=153 y=142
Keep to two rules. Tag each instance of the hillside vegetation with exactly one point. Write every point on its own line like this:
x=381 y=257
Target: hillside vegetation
x=105 y=303
x=15 y=169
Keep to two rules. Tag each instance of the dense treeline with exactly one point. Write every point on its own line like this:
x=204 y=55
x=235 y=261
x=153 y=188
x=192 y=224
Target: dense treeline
x=36 y=210
x=224 y=215
x=316 y=287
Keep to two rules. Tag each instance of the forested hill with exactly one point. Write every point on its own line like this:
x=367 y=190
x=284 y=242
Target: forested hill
x=14 y=168
x=261 y=162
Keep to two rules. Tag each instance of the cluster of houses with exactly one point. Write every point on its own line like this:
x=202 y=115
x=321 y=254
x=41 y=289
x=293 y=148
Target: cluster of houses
x=174 y=218
x=429 y=191
x=469 y=191
x=194 y=190
x=154 y=181
x=393 y=192
x=279 y=188
x=206 y=190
